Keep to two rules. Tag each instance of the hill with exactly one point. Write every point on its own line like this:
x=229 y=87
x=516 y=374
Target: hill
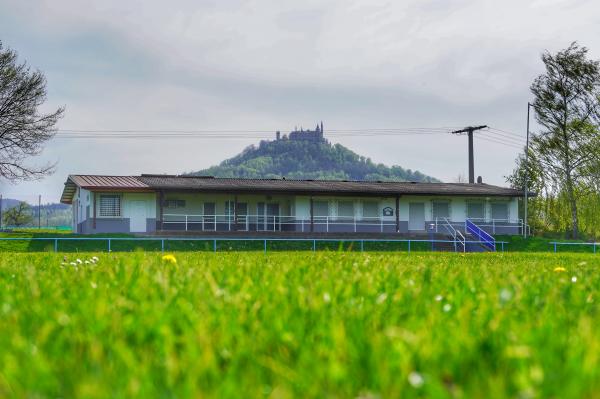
x=306 y=156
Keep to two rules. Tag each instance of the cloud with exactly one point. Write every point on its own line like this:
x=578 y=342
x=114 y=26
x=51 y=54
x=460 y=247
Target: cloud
x=271 y=65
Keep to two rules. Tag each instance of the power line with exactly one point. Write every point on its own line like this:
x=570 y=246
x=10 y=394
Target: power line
x=213 y=134
x=507 y=132
x=493 y=140
x=506 y=138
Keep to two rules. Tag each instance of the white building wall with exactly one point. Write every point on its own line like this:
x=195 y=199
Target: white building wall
x=148 y=198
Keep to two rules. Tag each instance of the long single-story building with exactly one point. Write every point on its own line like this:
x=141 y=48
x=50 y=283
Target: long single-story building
x=150 y=204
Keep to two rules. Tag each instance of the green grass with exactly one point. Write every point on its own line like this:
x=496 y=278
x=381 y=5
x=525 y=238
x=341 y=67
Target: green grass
x=298 y=324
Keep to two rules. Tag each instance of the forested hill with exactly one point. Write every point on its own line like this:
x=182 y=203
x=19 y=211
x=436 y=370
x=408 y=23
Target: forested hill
x=306 y=159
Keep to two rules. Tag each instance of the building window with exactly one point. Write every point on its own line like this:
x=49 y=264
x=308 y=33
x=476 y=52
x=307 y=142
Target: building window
x=110 y=205
x=242 y=208
x=475 y=210
x=229 y=208
x=370 y=209
x=440 y=209
x=346 y=209
x=321 y=208
x=499 y=210
x=174 y=203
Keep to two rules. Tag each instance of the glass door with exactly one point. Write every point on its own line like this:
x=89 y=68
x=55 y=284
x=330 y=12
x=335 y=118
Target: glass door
x=208 y=219
x=272 y=217
x=267 y=218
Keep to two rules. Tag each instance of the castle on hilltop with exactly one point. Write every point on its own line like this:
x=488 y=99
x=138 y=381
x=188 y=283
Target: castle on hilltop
x=304 y=135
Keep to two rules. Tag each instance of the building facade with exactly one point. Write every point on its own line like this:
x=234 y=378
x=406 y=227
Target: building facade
x=150 y=204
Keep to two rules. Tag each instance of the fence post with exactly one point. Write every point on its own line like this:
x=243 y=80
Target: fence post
x=162 y=245
x=186 y=222
x=494 y=225
x=215 y=245
x=265 y=246
x=109 y=245
x=56 y=245
x=594 y=247
x=314 y=245
x=362 y=245
x=554 y=247
x=502 y=244
x=408 y=246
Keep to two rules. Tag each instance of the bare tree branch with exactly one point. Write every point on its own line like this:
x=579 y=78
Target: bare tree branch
x=23 y=129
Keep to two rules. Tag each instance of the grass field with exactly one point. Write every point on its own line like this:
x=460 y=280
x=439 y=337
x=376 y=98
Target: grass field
x=329 y=324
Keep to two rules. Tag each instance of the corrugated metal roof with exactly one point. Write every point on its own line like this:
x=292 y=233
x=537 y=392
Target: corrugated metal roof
x=97 y=181
x=237 y=185
x=323 y=186
x=100 y=182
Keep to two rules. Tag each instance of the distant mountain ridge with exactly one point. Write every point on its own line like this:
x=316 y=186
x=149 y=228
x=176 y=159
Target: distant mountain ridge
x=306 y=154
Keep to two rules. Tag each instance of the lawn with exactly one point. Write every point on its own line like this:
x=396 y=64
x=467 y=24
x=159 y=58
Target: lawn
x=300 y=324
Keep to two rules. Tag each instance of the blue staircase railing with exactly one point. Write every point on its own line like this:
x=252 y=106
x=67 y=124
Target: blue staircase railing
x=483 y=236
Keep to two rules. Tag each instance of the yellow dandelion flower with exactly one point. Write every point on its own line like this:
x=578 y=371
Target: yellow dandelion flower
x=169 y=259
x=560 y=269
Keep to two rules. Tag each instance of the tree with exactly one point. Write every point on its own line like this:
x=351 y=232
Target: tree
x=18 y=215
x=567 y=106
x=23 y=128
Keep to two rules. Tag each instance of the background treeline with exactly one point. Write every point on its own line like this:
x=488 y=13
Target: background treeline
x=20 y=214
x=563 y=161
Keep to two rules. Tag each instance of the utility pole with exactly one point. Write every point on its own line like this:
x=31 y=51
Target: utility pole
x=469 y=130
x=39 y=212
x=526 y=175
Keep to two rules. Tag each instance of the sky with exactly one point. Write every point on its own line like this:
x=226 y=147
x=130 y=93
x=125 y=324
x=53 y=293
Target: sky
x=273 y=65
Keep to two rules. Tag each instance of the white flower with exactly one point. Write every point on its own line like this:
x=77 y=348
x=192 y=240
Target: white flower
x=95 y=258
x=447 y=307
x=326 y=297
x=415 y=379
x=574 y=279
x=438 y=298
x=73 y=264
x=381 y=298
x=505 y=295
x=79 y=261
x=87 y=262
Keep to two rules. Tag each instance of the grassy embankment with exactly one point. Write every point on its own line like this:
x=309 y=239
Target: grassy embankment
x=288 y=324
x=82 y=243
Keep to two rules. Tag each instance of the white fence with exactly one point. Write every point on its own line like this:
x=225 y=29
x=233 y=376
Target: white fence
x=276 y=223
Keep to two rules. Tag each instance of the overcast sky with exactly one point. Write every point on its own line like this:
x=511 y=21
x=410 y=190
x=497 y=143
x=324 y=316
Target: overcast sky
x=271 y=65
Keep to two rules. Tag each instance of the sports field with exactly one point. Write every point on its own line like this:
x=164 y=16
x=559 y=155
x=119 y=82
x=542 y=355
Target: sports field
x=299 y=324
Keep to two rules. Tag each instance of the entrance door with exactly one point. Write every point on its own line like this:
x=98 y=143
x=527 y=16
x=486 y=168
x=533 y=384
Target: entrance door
x=267 y=216
x=416 y=216
x=272 y=219
x=137 y=217
x=209 y=217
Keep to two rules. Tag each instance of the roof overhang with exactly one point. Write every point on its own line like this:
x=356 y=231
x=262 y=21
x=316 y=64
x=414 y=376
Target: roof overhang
x=166 y=183
x=101 y=184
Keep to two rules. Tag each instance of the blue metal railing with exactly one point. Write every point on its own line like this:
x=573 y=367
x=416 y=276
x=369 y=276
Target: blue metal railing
x=162 y=240
x=556 y=244
x=484 y=237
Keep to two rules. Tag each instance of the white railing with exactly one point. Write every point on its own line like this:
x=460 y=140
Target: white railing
x=456 y=235
x=276 y=223
x=491 y=226
x=496 y=226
